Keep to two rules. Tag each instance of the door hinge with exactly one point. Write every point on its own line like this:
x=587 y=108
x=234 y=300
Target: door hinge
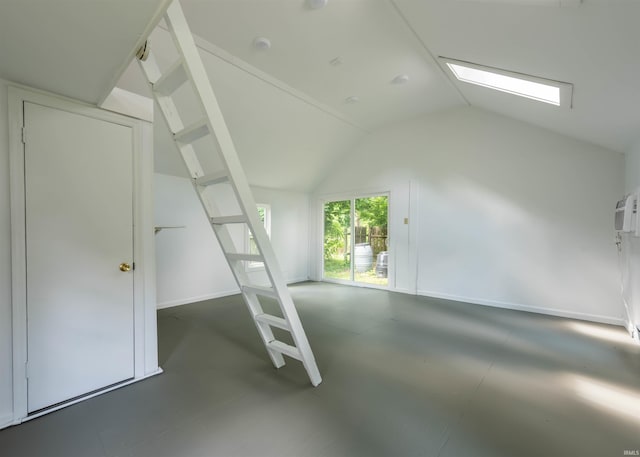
x=24 y=135
x=26 y=370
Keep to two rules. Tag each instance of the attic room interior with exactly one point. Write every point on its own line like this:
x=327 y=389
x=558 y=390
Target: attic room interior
x=433 y=204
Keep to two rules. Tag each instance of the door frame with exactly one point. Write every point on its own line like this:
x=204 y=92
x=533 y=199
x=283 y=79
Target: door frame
x=354 y=196
x=145 y=326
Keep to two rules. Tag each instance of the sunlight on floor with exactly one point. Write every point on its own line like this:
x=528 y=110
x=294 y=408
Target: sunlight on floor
x=622 y=401
x=614 y=335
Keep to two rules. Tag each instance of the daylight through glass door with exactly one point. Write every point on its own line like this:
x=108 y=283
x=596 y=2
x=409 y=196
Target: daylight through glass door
x=356 y=240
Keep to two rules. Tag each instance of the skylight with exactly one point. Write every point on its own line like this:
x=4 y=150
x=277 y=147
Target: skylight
x=540 y=89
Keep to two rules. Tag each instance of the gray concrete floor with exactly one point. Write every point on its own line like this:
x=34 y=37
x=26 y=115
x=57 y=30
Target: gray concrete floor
x=403 y=376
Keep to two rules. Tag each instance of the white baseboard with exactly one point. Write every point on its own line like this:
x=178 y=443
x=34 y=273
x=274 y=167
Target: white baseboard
x=6 y=421
x=94 y=394
x=401 y=290
x=629 y=326
x=296 y=280
x=527 y=308
x=12 y=421
x=226 y=293
x=186 y=301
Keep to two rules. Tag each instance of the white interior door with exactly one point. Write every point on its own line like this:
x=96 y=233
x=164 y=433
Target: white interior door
x=79 y=229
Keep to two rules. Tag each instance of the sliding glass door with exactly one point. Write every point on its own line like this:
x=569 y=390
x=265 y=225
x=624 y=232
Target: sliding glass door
x=355 y=247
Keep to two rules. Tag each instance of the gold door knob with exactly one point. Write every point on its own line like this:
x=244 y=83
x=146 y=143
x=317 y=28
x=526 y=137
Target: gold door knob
x=125 y=267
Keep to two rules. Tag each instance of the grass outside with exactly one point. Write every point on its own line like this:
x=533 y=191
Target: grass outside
x=338 y=268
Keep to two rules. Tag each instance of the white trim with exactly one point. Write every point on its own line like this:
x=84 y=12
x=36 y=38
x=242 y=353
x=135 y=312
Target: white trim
x=402 y=291
x=18 y=255
x=92 y=395
x=352 y=196
x=227 y=293
x=629 y=326
x=297 y=280
x=146 y=249
x=527 y=308
x=565 y=89
x=186 y=301
x=251 y=267
x=6 y=421
x=130 y=104
x=144 y=283
x=230 y=59
x=364 y=285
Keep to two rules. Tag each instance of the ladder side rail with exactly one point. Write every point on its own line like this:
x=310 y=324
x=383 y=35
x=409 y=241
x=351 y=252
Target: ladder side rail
x=218 y=129
x=209 y=104
x=186 y=46
x=237 y=269
x=191 y=162
x=183 y=40
x=170 y=114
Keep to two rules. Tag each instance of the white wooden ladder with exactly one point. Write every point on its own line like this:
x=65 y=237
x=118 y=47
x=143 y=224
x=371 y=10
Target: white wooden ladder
x=228 y=179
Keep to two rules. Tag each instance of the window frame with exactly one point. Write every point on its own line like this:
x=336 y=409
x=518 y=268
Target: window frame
x=253 y=266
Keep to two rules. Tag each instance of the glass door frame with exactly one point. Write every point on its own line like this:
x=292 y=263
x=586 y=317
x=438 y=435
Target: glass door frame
x=352 y=197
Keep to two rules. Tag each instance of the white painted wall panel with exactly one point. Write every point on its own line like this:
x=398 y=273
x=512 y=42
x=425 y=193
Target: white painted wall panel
x=508 y=214
x=189 y=263
x=631 y=245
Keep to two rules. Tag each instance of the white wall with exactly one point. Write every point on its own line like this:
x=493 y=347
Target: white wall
x=6 y=392
x=630 y=255
x=189 y=263
x=146 y=339
x=504 y=213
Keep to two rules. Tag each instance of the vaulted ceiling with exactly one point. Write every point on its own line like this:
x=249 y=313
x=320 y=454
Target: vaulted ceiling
x=75 y=48
x=290 y=107
x=591 y=44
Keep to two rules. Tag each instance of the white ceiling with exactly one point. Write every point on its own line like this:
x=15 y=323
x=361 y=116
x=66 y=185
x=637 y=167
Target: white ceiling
x=594 y=46
x=591 y=44
x=284 y=141
x=368 y=36
x=75 y=48
x=286 y=106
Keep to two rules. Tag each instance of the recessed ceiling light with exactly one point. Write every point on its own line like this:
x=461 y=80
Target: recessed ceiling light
x=316 y=4
x=541 y=89
x=262 y=43
x=351 y=100
x=400 y=79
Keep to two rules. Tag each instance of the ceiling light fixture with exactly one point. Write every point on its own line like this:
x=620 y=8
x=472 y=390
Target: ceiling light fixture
x=351 y=100
x=400 y=79
x=540 y=89
x=262 y=43
x=317 y=4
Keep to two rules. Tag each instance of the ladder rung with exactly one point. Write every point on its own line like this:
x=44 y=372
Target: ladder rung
x=274 y=321
x=190 y=71
x=245 y=257
x=171 y=80
x=238 y=219
x=192 y=132
x=213 y=178
x=285 y=349
x=260 y=290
